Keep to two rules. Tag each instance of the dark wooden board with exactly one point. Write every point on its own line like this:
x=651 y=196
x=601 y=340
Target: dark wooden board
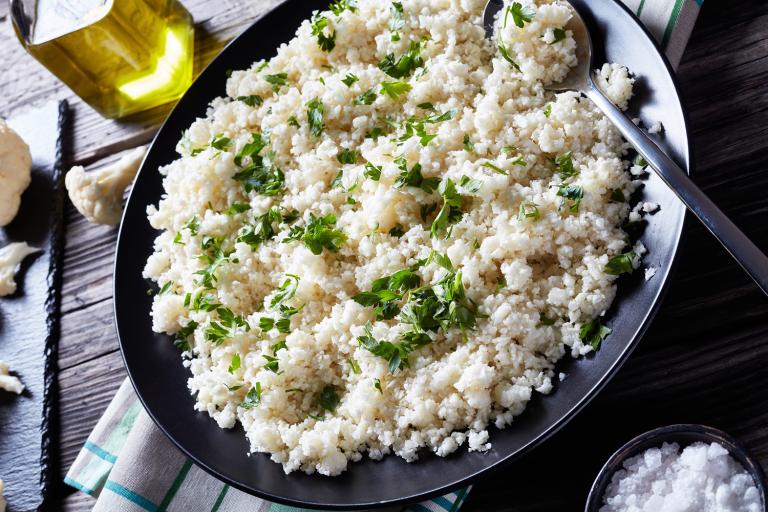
x=704 y=359
x=29 y=320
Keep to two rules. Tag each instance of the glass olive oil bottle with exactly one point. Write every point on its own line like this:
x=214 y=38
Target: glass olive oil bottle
x=120 y=56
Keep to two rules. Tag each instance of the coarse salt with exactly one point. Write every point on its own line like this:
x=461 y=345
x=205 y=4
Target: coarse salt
x=703 y=478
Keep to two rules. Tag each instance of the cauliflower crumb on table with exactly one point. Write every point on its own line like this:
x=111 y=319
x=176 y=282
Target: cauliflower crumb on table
x=11 y=257
x=385 y=237
x=98 y=195
x=15 y=172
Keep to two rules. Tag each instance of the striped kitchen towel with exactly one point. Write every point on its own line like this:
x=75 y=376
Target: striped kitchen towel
x=128 y=465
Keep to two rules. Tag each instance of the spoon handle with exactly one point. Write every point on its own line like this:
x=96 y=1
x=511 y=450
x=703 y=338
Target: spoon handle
x=743 y=250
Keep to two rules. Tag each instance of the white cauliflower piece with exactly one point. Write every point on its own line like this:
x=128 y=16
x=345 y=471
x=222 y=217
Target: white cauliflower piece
x=10 y=257
x=98 y=195
x=15 y=172
x=9 y=383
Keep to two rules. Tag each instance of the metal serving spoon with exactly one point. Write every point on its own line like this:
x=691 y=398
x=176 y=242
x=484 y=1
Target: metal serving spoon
x=580 y=79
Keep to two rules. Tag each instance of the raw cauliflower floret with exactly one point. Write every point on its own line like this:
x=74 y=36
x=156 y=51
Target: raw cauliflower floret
x=98 y=195
x=10 y=257
x=15 y=172
x=9 y=383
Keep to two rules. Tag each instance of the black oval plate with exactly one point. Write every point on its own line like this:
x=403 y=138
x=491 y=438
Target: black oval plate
x=160 y=379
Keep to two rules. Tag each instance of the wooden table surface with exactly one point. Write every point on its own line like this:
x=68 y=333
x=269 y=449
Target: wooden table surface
x=705 y=359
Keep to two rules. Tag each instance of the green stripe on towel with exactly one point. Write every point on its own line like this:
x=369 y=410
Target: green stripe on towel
x=176 y=484
x=130 y=496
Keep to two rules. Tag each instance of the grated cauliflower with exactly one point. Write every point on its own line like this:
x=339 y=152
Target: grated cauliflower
x=98 y=195
x=15 y=172
x=10 y=257
x=9 y=383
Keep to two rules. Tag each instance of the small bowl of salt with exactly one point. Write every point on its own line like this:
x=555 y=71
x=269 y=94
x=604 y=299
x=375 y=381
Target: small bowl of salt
x=681 y=468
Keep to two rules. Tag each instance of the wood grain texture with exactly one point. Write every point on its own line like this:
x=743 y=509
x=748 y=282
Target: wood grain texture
x=705 y=359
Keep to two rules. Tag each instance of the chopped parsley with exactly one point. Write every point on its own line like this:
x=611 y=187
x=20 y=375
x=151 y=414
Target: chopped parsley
x=350 y=79
x=505 y=54
x=470 y=185
x=253 y=398
x=372 y=171
x=386 y=291
x=253 y=100
x=418 y=126
x=564 y=165
x=315 y=109
x=261 y=175
x=348 y=156
x=339 y=6
x=182 y=336
x=226 y=327
x=450 y=213
x=528 y=211
x=329 y=399
x=413 y=177
x=548 y=110
x=292 y=121
x=286 y=291
x=396 y=20
x=558 y=34
x=236 y=208
x=593 y=333
x=221 y=142
x=277 y=80
x=354 y=365
x=318 y=234
x=396 y=354
x=520 y=14
x=326 y=41
x=406 y=64
x=573 y=192
x=272 y=364
x=234 y=364
x=395 y=89
x=622 y=263
x=367 y=98
x=494 y=168
x=377 y=385
x=468 y=144
x=262 y=230
x=165 y=288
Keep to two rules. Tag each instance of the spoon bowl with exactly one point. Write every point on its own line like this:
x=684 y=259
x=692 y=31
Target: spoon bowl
x=580 y=79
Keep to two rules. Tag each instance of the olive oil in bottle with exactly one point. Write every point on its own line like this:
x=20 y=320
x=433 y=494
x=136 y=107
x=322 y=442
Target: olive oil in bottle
x=120 y=56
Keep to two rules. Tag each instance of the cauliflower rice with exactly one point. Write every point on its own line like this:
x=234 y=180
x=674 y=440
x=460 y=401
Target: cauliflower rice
x=524 y=246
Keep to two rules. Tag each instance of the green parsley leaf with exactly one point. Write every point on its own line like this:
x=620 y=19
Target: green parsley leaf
x=559 y=35
x=329 y=399
x=573 y=192
x=234 y=364
x=468 y=144
x=315 y=109
x=395 y=89
x=262 y=230
x=236 y=208
x=396 y=20
x=350 y=79
x=277 y=80
x=262 y=176
x=593 y=333
x=406 y=64
x=165 y=288
x=494 y=168
x=377 y=385
x=182 y=336
x=253 y=100
x=505 y=54
x=221 y=142
x=367 y=98
x=548 y=110
x=286 y=291
x=622 y=263
x=251 y=149
x=427 y=106
x=326 y=41
x=450 y=213
x=471 y=185
x=292 y=121
x=253 y=398
x=340 y=6
x=272 y=364
x=386 y=291
x=413 y=177
x=528 y=211
x=564 y=165
x=318 y=234
x=520 y=14
x=640 y=161
x=417 y=126
x=348 y=156
x=426 y=210
x=354 y=365
x=372 y=171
